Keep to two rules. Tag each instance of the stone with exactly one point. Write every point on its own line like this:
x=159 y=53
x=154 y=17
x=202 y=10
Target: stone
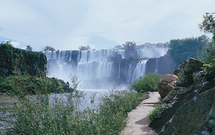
x=195 y=114
x=166 y=84
x=185 y=72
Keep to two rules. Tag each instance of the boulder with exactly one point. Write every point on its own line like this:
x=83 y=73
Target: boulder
x=194 y=117
x=185 y=71
x=166 y=84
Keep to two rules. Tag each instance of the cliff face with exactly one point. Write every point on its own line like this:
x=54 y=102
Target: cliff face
x=163 y=65
x=16 y=61
x=189 y=106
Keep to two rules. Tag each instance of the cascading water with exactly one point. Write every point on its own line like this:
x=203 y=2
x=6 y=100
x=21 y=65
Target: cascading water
x=99 y=65
x=139 y=70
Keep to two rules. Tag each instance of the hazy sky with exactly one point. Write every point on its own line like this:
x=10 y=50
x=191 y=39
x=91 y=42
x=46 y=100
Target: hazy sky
x=68 y=24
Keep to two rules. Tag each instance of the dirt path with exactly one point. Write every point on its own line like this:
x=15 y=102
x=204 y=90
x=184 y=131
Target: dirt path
x=137 y=118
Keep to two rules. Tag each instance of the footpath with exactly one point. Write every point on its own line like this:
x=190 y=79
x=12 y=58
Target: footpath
x=137 y=119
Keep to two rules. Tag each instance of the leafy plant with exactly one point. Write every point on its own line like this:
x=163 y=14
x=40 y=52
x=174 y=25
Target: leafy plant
x=62 y=115
x=146 y=83
x=208 y=25
x=156 y=113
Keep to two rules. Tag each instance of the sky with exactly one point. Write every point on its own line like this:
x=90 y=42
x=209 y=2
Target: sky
x=101 y=24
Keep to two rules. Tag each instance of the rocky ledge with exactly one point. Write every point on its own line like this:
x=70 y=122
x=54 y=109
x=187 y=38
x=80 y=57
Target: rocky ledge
x=188 y=101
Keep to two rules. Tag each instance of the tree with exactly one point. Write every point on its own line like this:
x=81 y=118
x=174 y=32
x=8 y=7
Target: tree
x=84 y=48
x=129 y=45
x=48 y=48
x=208 y=25
x=28 y=48
x=130 y=49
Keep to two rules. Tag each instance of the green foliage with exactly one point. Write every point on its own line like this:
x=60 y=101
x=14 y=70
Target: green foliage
x=181 y=49
x=48 y=48
x=208 y=25
x=13 y=60
x=176 y=132
x=146 y=83
x=209 y=60
x=156 y=113
x=25 y=84
x=61 y=116
x=28 y=48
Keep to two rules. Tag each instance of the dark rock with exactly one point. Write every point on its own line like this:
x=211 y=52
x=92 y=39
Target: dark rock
x=177 y=97
x=195 y=117
x=166 y=84
x=185 y=71
x=157 y=64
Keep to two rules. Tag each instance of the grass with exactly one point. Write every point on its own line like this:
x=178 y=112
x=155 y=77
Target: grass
x=35 y=115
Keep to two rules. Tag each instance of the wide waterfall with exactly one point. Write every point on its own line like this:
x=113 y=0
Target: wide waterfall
x=102 y=68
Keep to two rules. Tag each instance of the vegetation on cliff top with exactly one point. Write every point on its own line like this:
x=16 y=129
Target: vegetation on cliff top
x=25 y=72
x=17 y=61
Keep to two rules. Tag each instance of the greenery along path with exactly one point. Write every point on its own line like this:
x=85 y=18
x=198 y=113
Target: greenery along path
x=137 y=119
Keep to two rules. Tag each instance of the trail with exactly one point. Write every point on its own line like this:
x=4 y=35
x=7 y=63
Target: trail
x=137 y=119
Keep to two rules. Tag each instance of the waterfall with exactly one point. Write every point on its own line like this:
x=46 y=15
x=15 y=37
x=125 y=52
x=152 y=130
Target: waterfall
x=99 y=65
x=129 y=79
x=156 y=65
x=119 y=71
x=151 y=52
x=139 y=70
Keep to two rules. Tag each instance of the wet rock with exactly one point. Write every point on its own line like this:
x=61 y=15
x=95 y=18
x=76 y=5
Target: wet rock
x=166 y=84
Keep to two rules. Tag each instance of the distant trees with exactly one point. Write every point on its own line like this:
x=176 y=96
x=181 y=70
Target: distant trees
x=118 y=47
x=129 y=45
x=28 y=48
x=84 y=48
x=48 y=48
x=182 y=49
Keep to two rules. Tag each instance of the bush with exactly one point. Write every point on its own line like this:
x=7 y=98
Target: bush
x=156 y=113
x=209 y=60
x=25 y=84
x=146 y=83
x=63 y=115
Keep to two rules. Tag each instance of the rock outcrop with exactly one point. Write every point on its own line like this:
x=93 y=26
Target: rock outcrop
x=166 y=84
x=185 y=71
x=189 y=106
x=197 y=116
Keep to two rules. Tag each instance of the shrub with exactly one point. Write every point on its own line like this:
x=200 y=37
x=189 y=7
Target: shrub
x=156 y=113
x=209 y=60
x=146 y=83
x=25 y=84
x=37 y=115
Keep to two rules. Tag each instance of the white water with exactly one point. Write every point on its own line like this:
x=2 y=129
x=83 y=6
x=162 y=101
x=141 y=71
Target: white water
x=139 y=70
x=91 y=65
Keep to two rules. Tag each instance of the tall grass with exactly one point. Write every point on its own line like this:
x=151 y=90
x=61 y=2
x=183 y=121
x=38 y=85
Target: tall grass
x=36 y=115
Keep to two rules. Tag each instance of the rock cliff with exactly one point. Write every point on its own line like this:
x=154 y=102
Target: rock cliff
x=189 y=105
